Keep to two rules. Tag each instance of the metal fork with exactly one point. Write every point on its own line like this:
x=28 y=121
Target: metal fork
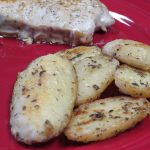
x=121 y=18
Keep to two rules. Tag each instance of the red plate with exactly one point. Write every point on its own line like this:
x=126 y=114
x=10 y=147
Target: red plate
x=15 y=56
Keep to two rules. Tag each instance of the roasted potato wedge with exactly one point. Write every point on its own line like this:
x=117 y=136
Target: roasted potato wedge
x=94 y=71
x=133 y=81
x=43 y=99
x=112 y=47
x=94 y=75
x=105 y=118
x=81 y=52
x=130 y=52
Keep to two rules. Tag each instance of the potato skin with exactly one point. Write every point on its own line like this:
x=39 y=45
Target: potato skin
x=43 y=99
x=132 y=81
x=105 y=118
x=130 y=52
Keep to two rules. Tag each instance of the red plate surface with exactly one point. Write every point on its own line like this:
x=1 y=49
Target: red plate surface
x=15 y=56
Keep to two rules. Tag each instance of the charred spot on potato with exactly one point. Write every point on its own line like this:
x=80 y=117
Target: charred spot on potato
x=140 y=73
x=24 y=108
x=118 y=49
x=41 y=66
x=97 y=115
x=78 y=55
x=144 y=84
x=96 y=87
x=137 y=104
x=125 y=108
x=137 y=109
x=47 y=122
x=36 y=106
x=111 y=110
x=34 y=100
x=94 y=66
x=135 y=84
x=34 y=72
x=24 y=90
x=42 y=72
x=114 y=117
x=126 y=118
x=28 y=96
x=102 y=103
x=89 y=58
x=94 y=61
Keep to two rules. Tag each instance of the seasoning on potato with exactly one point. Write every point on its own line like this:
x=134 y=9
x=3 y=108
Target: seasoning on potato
x=46 y=92
x=130 y=52
x=132 y=81
x=43 y=99
x=94 y=71
x=105 y=118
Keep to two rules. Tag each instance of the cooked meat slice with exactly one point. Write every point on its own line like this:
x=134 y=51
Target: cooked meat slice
x=105 y=118
x=56 y=21
x=43 y=99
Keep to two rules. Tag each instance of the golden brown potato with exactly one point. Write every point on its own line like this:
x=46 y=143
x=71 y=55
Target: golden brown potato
x=105 y=118
x=132 y=81
x=94 y=75
x=130 y=52
x=94 y=71
x=43 y=99
x=81 y=52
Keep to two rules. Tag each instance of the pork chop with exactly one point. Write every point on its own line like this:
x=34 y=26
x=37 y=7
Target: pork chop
x=71 y=22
